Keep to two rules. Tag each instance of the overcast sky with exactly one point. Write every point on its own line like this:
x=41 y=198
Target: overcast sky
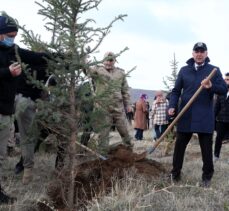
x=153 y=31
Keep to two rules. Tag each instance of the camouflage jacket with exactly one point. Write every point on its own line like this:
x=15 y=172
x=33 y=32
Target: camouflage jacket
x=111 y=87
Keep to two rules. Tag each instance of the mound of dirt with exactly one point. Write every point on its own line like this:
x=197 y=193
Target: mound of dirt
x=93 y=178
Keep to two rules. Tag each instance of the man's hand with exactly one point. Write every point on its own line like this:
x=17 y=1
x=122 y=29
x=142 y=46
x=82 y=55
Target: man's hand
x=207 y=84
x=15 y=69
x=129 y=109
x=171 y=111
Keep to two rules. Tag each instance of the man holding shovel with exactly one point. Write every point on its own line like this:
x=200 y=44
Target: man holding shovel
x=199 y=117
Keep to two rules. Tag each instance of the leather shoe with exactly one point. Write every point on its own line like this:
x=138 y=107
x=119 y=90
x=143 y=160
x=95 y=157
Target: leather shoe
x=174 y=178
x=205 y=183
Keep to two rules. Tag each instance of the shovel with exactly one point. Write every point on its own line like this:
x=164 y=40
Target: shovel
x=151 y=149
x=79 y=144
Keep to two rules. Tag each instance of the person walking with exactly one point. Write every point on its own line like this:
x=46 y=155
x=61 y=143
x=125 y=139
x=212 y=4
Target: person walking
x=222 y=119
x=140 y=120
x=199 y=118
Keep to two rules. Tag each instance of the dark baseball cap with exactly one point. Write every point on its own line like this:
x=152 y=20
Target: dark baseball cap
x=200 y=45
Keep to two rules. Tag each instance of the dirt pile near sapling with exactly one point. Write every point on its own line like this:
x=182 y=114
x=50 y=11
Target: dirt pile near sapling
x=94 y=178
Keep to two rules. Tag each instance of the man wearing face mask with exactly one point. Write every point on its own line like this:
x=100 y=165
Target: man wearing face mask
x=26 y=93
x=9 y=73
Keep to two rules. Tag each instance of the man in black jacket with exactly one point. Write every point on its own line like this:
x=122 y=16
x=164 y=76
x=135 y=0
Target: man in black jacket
x=222 y=118
x=9 y=73
x=26 y=93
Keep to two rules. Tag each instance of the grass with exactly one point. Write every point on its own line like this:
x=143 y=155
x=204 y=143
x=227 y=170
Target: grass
x=27 y=195
x=134 y=192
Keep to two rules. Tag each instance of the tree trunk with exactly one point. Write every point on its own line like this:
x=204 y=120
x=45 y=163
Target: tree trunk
x=72 y=146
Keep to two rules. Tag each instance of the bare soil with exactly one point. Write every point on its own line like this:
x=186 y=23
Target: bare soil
x=94 y=178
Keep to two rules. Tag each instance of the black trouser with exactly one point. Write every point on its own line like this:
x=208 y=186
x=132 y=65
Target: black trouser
x=182 y=140
x=221 y=128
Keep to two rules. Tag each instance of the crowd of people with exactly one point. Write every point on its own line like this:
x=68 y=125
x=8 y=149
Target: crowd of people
x=19 y=97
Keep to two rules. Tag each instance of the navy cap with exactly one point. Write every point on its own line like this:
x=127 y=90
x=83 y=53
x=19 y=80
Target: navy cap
x=200 y=45
x=7 y=24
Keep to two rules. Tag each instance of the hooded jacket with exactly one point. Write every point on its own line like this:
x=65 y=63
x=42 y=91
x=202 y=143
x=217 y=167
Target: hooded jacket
x=199 y=118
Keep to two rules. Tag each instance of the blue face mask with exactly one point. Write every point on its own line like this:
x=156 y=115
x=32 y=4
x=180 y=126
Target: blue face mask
x=8 y=41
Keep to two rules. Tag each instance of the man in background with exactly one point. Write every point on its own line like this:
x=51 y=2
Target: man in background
x=222 y=118
x=112 y=98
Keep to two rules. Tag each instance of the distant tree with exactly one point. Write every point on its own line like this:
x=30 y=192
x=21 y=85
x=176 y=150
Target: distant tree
x=169 y=81
x=74 y=39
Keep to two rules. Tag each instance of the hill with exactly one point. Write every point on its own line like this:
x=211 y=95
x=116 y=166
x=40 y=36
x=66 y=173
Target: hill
x=136 y=93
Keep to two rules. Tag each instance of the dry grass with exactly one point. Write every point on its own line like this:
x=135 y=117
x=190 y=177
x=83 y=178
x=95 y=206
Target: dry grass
x=133 y=192
x=28 y=195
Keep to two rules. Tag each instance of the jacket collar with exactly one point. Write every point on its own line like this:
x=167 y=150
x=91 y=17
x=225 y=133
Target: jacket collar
x=191 y=61
x=6 y=48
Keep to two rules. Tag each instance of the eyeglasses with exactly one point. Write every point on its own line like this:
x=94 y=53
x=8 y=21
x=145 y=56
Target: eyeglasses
x=110 y=60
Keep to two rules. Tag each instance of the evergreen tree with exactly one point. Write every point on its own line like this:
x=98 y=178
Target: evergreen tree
x=169 y=81
x=73 y=40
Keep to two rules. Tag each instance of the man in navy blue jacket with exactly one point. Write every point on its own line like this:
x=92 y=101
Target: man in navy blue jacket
x=199 y=118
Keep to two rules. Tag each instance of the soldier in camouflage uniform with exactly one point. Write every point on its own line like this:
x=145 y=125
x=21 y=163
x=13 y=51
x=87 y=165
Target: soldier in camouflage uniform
x=112 y=98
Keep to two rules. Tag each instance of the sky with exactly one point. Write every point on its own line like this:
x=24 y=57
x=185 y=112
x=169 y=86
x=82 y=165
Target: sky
x=154 y=30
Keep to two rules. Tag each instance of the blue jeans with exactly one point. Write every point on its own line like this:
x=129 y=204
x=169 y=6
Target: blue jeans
x=139 y=134
x=159 y=130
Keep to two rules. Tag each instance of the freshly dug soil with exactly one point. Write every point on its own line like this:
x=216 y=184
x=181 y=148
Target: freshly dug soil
x=94 y=178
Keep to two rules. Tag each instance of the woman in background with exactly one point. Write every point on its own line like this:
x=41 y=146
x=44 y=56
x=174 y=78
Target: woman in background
x=159 y=117
x=140 y=121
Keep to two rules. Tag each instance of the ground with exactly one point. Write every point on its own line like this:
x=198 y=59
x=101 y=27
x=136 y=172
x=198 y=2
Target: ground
x=100 y=175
